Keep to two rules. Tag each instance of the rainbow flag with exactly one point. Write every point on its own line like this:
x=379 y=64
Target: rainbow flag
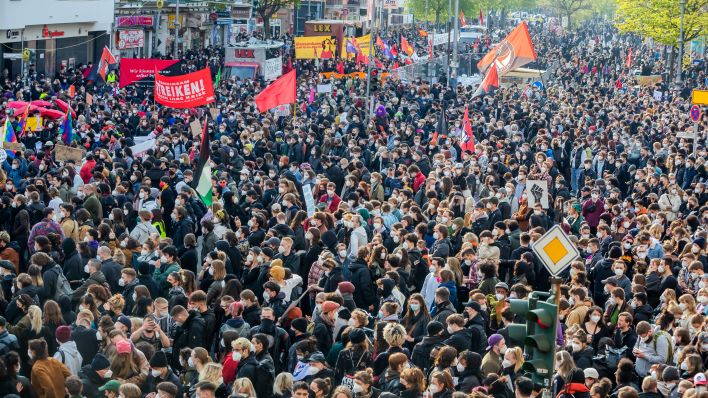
x=67 y=134
x=8 y=135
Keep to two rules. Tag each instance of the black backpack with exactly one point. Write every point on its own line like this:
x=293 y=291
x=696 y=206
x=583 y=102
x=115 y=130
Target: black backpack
x=63 y=288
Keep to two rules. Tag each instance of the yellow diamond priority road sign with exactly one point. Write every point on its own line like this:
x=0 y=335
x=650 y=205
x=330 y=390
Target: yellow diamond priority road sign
x=555 y=250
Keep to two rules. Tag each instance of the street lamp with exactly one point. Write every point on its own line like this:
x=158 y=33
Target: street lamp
x=680 y=53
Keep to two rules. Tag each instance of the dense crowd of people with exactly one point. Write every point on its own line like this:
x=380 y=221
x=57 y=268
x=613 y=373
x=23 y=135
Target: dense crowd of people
x=392 y=276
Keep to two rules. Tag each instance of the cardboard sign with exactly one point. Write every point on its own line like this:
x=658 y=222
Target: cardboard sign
x=89 y=99
x=214 y=112
x=185 y=91
x=62 y=153
x=196 y=128
x=324 y=88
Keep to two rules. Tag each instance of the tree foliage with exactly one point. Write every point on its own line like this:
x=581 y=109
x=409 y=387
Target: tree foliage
x=660 y=19
x=569 y=8
x=438 y=9
x=267 y=8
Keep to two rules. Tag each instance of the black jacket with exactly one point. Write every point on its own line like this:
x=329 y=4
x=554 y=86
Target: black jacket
x=86 y=343
x=152 y=382
x=97 y=278
x=91 y=381
x=111 y=270
x=50 y=277
x=191 y=335
x=461 y=340
x=364 y=294
x=73 y=267
x=583 y=359
x=421 y=352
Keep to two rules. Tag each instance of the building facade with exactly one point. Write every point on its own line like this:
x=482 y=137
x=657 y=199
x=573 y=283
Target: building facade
x=57 y=33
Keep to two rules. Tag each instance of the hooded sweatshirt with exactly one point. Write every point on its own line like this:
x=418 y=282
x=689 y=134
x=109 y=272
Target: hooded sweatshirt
x=69 y=355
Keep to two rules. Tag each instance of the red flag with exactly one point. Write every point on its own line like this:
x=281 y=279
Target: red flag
x=395 y=65
x=515 y=51
x=490 y=82
x=618 y=84
x=468 y=141
x=629 y=58
x=430 y=47
x=72 y=91
x=462 y=18
x=394 y=52
x=380 y=43
x=280 y=92
x=107 y=59
x=481 y=17
x=378 y=64
x=422 y=33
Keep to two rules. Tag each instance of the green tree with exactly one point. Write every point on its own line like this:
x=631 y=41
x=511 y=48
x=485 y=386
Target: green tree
x=661 y=19
x=267 y=8
x=437 y=10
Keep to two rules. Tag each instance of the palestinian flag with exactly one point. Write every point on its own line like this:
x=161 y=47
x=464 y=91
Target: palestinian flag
x=490 y=82
x=203 y=182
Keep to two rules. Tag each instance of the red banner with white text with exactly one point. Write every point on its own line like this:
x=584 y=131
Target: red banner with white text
x=185 y=91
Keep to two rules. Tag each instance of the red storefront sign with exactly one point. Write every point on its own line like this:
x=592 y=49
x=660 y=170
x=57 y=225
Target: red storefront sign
x=134 y=20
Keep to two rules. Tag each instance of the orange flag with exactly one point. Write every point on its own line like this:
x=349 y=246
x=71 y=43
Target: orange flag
x=515 y=51
x=72 y=91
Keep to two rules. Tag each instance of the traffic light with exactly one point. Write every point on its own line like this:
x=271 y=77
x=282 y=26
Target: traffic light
x=538 y=336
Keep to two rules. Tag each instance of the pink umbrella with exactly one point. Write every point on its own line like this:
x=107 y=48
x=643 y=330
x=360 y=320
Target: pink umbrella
x=63 y=105
x=17 y=104
x=50 y=113
x=42 y=103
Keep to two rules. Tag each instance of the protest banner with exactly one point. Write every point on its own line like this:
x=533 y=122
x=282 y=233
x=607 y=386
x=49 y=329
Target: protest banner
x=356 y=45
x=140 y=149
x=315 y=47
x=184 y=91
x=136 y=70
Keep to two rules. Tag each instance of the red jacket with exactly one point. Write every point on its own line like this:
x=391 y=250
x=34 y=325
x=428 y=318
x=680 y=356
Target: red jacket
x=418 y=181
x=333 y=205
x=86 y=171
x=229 y=368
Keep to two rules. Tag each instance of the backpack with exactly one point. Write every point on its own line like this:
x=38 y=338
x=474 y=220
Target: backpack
x=670 y=357
x=63 y=288
x=614 y=355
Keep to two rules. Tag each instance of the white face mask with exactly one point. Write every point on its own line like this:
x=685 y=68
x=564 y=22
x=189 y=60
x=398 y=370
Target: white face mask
x=121 y=282
x=506 y=363
x=357 y=389
x=190 y=362
x=433 y=389
x=236 y=356
x=576 y=347
x=108 y=374
x=595 y=318
x=155 y=373
x=499 y=296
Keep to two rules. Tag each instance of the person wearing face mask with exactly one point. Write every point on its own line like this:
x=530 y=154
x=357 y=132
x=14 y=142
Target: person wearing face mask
x=441 y=385
x=592 y=209
x=582 y=353
x=653 y=347
x=160 y=372
x=618 y=303
x=95 y=375
x=95 y=277
x=492 y=361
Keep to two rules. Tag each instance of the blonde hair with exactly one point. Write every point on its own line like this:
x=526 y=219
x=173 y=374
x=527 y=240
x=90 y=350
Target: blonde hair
x=245 y=384
x=117 y=301
x=219 y=270
x=518 y=355
x=35 y=316
x=211 y=373
x=241 y=343
x=130 y=390
x=283 y=383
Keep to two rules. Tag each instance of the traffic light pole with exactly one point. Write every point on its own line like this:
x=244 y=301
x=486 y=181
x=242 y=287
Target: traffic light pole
x=556 y=292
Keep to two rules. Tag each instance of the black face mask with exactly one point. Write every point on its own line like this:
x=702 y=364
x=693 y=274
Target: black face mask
x=267 y=325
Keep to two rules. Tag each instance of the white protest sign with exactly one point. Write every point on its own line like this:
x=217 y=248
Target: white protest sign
x=272 y=68
x=140 y=149
x=324 y=88
x=537 y=192
x=281 y=110
x=309 y=200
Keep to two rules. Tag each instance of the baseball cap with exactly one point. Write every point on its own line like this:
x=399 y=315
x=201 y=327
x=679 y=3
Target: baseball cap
x=112 y=385
x=699 y=379
x=591 y=373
